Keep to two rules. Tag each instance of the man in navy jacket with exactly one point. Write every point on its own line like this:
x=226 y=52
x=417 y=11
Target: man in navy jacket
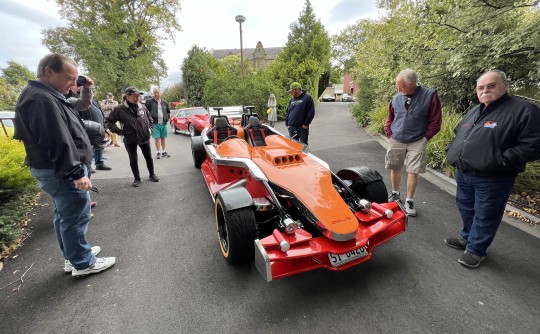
x=300 y=113
x=493 y=143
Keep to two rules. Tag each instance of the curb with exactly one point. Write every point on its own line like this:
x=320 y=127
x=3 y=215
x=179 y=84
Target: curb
x=449 y=185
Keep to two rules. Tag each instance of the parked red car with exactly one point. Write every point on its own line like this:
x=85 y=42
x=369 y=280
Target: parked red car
x=189 y=121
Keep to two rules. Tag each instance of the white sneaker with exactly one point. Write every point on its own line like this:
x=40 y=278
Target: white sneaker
x=409 y=208
x=102 y=263
x=394 y=196
x=68 y=267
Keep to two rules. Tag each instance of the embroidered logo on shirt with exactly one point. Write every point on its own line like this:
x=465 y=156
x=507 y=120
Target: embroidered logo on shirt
x=490 y=124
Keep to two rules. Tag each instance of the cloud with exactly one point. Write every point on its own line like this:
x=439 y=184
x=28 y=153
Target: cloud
x=20 y=31
x=173 y=78
x=352 y=11
x=29 y=15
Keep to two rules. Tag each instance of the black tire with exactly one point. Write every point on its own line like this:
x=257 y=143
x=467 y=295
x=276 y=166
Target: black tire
x=376 y=191
x=197 y=151
x=236 y=233
x=192 y=130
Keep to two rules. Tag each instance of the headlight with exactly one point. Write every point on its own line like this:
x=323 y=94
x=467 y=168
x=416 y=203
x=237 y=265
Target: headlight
x=290 y=225
x=365 y=205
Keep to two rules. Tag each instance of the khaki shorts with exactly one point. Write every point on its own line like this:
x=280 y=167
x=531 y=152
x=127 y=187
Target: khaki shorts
x=412 y=155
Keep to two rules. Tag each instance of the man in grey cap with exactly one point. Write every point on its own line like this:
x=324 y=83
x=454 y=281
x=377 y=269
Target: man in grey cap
x=300 y=113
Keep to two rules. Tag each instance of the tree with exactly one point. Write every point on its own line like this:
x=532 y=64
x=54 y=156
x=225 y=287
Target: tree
x=306 y=54
x=227 y=88
x=198 y=67
x=345 y=45
x=14 y=77
x=116 y=41
x=450 y=43
x=173 y=93
x=17 y=75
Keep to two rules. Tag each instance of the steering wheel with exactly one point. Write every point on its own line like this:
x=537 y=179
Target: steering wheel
x=230 y=137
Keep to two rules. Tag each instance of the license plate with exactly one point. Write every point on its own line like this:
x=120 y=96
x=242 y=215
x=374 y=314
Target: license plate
x=340 y=259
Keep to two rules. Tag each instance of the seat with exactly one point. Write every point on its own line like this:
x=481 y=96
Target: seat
x=255 y=132
x=214 y=117
x=220 y=130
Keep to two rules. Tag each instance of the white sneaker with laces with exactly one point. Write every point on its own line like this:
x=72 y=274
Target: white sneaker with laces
x=102 y=263
x=68 y=267
x=394 y=196
x=409 y=208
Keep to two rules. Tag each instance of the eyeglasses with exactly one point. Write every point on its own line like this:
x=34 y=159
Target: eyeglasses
x=94 y=189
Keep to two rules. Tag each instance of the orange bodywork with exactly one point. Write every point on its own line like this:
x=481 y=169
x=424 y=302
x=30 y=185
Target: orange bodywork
x=283 y=162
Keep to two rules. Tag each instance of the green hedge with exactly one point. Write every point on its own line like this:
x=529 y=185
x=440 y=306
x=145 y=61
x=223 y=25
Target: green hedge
x=18 y=190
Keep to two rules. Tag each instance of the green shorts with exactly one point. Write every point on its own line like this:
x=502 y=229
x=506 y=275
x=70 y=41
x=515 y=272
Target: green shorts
x=160 y=131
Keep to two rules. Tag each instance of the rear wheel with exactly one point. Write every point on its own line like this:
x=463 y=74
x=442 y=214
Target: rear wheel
x=197 y=151
x=236 y=233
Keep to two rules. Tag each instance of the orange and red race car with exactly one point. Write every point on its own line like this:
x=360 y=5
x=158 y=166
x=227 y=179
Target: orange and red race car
x=279 y=204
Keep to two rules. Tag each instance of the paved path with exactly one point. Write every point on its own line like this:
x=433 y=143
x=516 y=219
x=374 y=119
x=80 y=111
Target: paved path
x=171 y=278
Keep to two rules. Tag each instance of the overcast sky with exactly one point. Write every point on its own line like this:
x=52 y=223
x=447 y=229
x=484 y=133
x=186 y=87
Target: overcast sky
x=206 y=23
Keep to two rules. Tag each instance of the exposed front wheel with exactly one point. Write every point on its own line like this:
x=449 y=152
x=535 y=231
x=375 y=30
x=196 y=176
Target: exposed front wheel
x=236 y=232
x=366 y=183
x=376 y=191
x=192 y=130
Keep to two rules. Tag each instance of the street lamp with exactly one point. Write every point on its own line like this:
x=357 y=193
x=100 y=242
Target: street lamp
x=241 y=19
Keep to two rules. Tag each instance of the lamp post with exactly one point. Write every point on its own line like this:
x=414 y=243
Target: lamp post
x=241 y=19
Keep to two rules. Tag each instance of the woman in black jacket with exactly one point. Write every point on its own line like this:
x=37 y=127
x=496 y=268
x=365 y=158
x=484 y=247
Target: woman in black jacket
x=136 y=127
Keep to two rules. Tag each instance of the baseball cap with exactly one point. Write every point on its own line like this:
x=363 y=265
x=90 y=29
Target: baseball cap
x=295 y=85
x=131 y=91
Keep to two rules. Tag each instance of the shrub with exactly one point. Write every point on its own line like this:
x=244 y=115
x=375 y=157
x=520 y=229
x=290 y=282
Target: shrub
x=17 y=193
x=530 y=179
x=13 y=219
x=378 y=118
x=360 y=114
x=14 y=174
x=436 y=148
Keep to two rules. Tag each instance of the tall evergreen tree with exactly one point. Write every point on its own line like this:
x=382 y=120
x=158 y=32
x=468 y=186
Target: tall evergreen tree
x=306 y=54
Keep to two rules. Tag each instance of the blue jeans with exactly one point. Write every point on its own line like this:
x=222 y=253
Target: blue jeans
x=98 y=156
x=71 y=216
x=299 y=133
x=481 y=201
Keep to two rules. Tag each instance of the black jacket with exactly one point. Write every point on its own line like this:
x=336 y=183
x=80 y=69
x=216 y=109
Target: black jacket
x=498 y=139
x=300 y=110
x=152 y=106
x=94 y=113
x=53 y=134
x=136 y=124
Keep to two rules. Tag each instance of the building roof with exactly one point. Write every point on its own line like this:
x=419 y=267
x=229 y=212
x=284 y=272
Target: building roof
x=271 y=53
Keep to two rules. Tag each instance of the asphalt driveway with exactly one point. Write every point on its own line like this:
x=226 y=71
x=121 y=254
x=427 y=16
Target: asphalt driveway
x=170 y=276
